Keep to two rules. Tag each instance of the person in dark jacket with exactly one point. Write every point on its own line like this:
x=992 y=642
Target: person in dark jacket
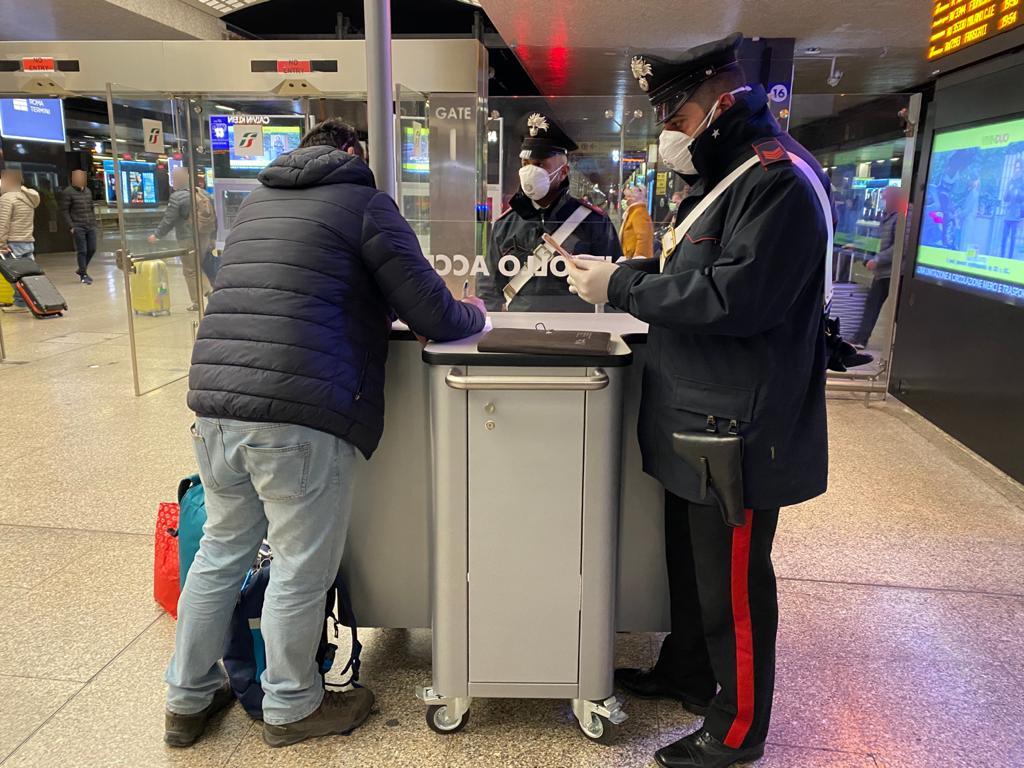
x=881 y=265
x=736 y=345
x=287 y=383
x=177 y=218
x=79 y=216
x=523 y=274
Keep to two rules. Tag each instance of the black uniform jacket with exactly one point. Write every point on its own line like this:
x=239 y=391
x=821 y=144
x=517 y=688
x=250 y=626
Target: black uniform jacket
x=518 y=232
x=737 y=317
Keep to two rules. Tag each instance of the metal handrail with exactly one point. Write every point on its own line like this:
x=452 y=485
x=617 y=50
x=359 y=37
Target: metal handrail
x=596 y=381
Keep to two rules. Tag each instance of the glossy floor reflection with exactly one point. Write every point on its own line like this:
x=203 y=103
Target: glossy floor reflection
x=901 y=642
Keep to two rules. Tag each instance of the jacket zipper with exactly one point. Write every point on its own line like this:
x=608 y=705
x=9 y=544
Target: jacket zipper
x=362 y=377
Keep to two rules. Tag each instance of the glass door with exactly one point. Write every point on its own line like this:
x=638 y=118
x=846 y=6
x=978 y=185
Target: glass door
x=230 y=140
x=148 y=181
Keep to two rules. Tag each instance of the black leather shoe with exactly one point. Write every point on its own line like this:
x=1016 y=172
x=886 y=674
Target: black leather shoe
x=702 y=750
x=647 y=684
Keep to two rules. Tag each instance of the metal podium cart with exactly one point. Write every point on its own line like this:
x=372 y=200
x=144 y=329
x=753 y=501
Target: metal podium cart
x=526 y=467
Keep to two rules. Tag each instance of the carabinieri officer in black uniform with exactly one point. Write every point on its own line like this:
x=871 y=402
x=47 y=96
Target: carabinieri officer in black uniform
x=524 y=273
x=736 y=346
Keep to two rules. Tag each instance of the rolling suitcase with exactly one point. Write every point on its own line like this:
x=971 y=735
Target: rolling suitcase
x=151 y=291
x=34 y=287
x=6 y=293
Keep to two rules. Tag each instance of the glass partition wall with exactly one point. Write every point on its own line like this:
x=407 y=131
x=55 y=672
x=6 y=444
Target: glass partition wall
x=458 y=169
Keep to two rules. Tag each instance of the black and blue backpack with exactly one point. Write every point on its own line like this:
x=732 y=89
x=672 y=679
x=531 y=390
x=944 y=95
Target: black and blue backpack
x=245 y=656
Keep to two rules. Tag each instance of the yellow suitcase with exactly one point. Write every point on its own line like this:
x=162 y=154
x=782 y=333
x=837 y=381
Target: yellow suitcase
x=151 y=290
x=6 y=293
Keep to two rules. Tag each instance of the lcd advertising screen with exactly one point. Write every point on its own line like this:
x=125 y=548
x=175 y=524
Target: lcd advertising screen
x=972 y=233
x=415 y=150
x=138 y=183
x=281 y=134
x=32 y=119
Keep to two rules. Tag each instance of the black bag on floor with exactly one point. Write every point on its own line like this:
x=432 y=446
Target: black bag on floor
x=31 y=283
x=245 y=656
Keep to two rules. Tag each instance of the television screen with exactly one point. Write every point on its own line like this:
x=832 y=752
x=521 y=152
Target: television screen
x=138 y=183
x=32 y=119
x=281 y=134
x=972 y=225
x=415 y=149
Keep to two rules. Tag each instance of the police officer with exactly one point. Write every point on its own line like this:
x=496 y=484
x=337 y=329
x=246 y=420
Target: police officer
x=736 y=344
x=524 y=274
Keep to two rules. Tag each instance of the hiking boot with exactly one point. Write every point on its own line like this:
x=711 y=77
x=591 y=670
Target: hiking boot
x=185 y=730
x=339 y=713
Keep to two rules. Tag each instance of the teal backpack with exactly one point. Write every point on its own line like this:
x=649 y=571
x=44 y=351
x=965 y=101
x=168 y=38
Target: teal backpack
x=191 y=519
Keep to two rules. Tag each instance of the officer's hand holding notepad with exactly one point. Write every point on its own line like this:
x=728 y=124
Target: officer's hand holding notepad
x=541 y=341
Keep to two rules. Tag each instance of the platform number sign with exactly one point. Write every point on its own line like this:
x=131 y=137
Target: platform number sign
x=248 y=140
x=778 y=93
x=153 y=136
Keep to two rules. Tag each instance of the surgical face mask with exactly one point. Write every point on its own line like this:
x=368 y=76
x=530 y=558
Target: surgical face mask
x=535 y=181
x=673 y=206
x=674 y=146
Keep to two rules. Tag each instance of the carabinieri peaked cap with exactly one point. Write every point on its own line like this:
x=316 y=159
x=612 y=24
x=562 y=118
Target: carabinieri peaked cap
x=543 y=138
x=668 y=84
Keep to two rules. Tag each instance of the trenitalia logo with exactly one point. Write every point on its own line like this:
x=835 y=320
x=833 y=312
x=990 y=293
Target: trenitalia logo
x=154 y=136
x=247 y=140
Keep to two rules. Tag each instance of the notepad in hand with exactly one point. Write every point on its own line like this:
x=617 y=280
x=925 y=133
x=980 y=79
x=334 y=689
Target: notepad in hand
x=531 y=341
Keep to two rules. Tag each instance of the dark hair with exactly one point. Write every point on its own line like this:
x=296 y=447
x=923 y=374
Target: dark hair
x=333 y=132
x=727 y=80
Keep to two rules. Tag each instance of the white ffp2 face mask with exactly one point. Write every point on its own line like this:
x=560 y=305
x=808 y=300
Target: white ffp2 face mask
x=535 y=181
x=674 y=146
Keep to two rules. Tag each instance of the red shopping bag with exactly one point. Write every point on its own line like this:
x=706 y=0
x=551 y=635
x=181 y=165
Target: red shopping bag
x=166 y=588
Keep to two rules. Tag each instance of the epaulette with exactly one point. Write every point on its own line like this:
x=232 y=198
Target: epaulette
x=770 y=152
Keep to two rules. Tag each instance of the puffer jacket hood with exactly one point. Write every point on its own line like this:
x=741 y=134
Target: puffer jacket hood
x=315 y=166
x=30 y=196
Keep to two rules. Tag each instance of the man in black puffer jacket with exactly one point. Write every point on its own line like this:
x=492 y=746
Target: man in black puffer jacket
x=287 y=382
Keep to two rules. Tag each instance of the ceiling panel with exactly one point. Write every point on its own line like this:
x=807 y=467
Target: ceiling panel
x=78 y=20
x=583 y=46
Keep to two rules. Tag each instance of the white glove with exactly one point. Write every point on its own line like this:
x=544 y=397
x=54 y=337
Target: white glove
x=589 y=278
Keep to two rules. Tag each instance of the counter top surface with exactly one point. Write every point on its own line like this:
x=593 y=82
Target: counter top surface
x=464 y=351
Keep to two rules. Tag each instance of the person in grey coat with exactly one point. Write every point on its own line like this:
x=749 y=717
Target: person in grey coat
x=178 y=218
x=881 y=266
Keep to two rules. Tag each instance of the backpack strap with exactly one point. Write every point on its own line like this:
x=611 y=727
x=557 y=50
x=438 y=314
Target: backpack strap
x=186 y=485
x=346 y=616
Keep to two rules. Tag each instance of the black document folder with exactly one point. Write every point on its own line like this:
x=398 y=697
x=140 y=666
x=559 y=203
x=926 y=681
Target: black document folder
x=532 y=341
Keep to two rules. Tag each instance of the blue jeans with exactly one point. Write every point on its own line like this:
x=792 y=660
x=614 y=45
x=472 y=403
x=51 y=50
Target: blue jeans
x=85 y=246
x=292 y=485
x=21 y=250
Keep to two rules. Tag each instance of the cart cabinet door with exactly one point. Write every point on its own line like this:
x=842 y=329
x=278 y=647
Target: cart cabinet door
x=525 y=523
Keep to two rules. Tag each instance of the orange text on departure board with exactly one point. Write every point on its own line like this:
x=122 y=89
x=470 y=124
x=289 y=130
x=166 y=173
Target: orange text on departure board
x=959 y=23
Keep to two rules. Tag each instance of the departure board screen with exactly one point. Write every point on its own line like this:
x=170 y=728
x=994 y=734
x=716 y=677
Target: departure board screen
x=957 y=24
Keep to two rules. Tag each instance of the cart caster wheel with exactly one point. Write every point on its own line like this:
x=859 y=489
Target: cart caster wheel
x=600 y=730
x=436 y=720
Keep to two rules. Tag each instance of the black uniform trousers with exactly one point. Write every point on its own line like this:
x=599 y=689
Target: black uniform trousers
x=725 y=614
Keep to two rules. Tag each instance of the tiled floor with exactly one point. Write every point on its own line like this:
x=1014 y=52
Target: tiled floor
x=901 y=642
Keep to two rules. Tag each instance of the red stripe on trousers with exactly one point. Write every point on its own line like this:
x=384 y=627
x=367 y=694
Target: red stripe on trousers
x=744 y=635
